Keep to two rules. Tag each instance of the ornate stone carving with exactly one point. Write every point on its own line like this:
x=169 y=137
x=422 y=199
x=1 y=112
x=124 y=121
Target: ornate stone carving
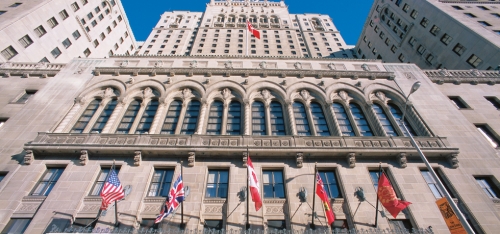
x=131 y=80
x=266 y=94
x=213 y=209
x=344 y=95
x=191 y=159
x=84 y=157
x=124 y=63
x=6 y=65
x=263 y=65
x=147 y=93
x=402 y=160
x=351 y=160
x=381 y=95
x=29 y=157
x=245 y=158
x=298 y=65
x=137 y=158
x=305 y=94
x=226 y=93
x=365 y=67
x=300 y=159
x=228 y=65
x=187 y=93
x=453 y=159
x=444 y=72
x=193 y=64
x=332 y=66
x=108 y=92
x=158 y=63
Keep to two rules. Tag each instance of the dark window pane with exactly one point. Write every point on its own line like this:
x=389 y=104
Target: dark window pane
x=86 y=116
x=301 y=122
x=172 y=118
x=319 y=120
x=147 y=117
x=234 y=119
x=384 y=120
x=16 y=226
x=214 y=125
x=343 y=120
x=397 y=114
x=277 y=121
x=360 y=120
x=129 y=117
x=191 y=118
x=258 y=119
x=103 y=119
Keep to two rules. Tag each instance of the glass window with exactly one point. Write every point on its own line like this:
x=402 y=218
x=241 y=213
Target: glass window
x=47 y=182
x=459 y=103
x=400 y=224
x=488 y=187
x=330 y=183
x=319 y=120
x=494 y=101
x=234 y=119
x=84 y=222
x=212 y=225
x=474 y=60
x=273 y=184
x=9 y=52
x=172 y=118
x=86 y=116
x=343 y=121
x=147 y=117
x=374 y=175
x=105 y=114
x=276 y=225
x=99 y=182
x=217 y=183
x=129 y=117
x=485 y=131
x=16 y=226
x=360 y=120
x=397 y=114
x=258 y=119
x=384 y=120
x=277 y=120
x=301 y=121
x=191 y=118
x=2 y=175
x=214 y=125
x=26 y=96
x=438 y=193
x=160 y=184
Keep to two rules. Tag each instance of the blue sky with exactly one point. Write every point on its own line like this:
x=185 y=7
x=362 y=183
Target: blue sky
x=348 y=15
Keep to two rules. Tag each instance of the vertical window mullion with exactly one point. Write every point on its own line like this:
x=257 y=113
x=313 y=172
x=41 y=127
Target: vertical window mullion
x=104 y=117
x=319 y=120
x=301 y=121
x=360 y=120
x=190 y=118
x=86 y=116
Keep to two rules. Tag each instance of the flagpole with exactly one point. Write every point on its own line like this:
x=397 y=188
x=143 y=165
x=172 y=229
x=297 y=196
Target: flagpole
x=376 y=206
x=182 y=204
x=247 y=47
x=248 y=190
x=313 y=227
x=116 y=203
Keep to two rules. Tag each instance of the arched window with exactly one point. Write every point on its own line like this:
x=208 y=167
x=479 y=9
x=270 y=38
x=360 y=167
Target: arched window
x=301 y=122
x=214 y=126
x=170 y=123
x=86 y=116
x=103 y=119
x=234 y=119
x=147 y=117
x=360 y=120
x=344 y=123
x=277 y=120
x=191 y=118
x=386 y=123
x=129 y=117
x=258 y=119
x=319 y=120
x=397 y=114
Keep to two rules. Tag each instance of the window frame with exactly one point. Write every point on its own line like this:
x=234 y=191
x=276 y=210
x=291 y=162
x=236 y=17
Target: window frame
x=51 y=181
x=164 y=183
x=273 y=184
x=218 y=185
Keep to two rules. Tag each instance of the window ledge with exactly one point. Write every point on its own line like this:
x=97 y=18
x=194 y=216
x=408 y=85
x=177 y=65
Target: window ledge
x=275 y=200
x=92 y=199
x=32 y=198
x=214 y=200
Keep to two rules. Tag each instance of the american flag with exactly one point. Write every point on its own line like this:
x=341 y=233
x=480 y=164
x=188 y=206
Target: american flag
x=112 y=191
x=175 y=197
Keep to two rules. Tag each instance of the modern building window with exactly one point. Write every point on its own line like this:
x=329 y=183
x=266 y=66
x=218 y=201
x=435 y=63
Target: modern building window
x=214 y=126
x=170 y=123
x=233 y=126
x=397 y=114
x=76 y=34
x=258 y=119
x=424 y=22
x=384 y=120
x=401 y=57
x=16 y=226
x=457 y=7
x=438 y=193
x=52 y=22
x=459 y=49
x=40 y=31
x=429 y=58
x=104 y=117
x=488 y=134
x=212 y=225
x=129 y=117
x=15 y=4
x=446 y=39
x=25 y=96
x=483 y=8
x=474 y=61
x=494 y=101
x=414 y=14
x=3 y=121
x=459 y=103
x=56 y=52
x=273 y=184
x=301 y=121
x=64 y=14
x=99 y=182
x=470 y=15
x=191 y=118
x=484 y=23
x=160 y=183
x=360 y=120
x=2 y=12
x=343 y=120
x=66 y=43
x=319 y=120
x=25 y=41
x=435 y=30
x=331 y=184
x=9 y=53
x=421 y=49
x=86 y=116
x=147 y=117
x=217 y=183
x=488 y=187
x=47 y=182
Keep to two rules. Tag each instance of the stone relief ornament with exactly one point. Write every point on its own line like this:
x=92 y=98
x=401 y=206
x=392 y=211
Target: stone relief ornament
x=84 y=157
x=226 y=93
x=187 y=93
x=137 y=158
x=147 y=93
x=265 y=94
x=158 y=64
x=351 y=160
x=444 y=72
x=193 y=64
x=380 y=95
x=300 y=160
x=108 y=92
x=191 y=159
x=29 y=157
x=124 y=63
x=332 y=66
x=475 y=72
x=131 y=80
x=263 y=65
x=228 y=65
x=365 y=67
x=245 y=158
x=453 y=159
x=402 y=160
x=298 y=65
x=6 y=65
x=344 y=95
x=305 y=94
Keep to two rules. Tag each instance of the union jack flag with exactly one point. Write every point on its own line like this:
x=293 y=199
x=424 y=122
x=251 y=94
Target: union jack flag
x=175 y=198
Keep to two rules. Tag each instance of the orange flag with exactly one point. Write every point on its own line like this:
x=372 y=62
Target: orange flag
x=388 y=198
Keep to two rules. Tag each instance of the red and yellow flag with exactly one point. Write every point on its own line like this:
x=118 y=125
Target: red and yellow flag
x=388 y=198
x=320 y=191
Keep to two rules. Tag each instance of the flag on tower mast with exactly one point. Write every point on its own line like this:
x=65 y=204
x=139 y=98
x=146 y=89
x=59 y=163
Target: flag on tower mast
x=254 y=31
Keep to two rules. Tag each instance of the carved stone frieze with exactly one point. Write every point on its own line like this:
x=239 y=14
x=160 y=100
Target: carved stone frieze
x=137 y=158
x=299 y=160
x=274 y=210
x=29 y=157
x=84 y=157
x=213 y=209
x=453 y=159
x=351 y=160
x=402 y=160
x=191 y=159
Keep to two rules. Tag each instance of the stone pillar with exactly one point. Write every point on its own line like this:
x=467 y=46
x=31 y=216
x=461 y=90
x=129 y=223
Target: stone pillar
x=248 y=117
x=96 y=115
x=113 y=117
x=84 y=157
x=268 y=118
x=351 y=160
x=138 y=117
x=201 y=118
x=291 y=117
x=224 y=119
x=310 y=119
x=402 y=160
x=156 y=121
x=75 y=109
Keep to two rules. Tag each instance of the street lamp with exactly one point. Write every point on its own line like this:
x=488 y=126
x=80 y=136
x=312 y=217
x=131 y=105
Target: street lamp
x=441 y=187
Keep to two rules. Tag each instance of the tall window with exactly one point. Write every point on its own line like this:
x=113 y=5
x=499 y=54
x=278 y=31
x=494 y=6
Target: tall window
x=47 y=182
x=129 y=117
x=147 y=117
x=172 y=118
x=214 y=126
x=330 y=183
x=160 y=184
x=217 y=183
x=438 y=193
x=301 y=122
x=277 y=120
x=26 y=96
x=86 y=116
x=103 y=119
x=360 y=120
x=258 y=119
x=319 y=120
x=397 y=114
x=384 y=120
x=234 y=119
x=343 y=120
x=191 y=118
x=374 y=175
x=16 y=226
x=99 y=183
x=273 y=184
x=485 y=131
x=488 y=187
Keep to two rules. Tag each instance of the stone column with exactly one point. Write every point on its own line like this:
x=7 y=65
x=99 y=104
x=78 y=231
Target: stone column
x=181 y=117
x=113 y=117
x=224 y=119
x=310 y=119
x=291 y=117
x=96 y=115
x=201 y=118
x=138 y=117
x=75 y=109
x=268 y=119
x=156 y=121
x=248 y=117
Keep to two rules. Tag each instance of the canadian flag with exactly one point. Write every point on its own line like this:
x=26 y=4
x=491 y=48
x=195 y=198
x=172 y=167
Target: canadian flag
x=254 y=185
x=253 y=30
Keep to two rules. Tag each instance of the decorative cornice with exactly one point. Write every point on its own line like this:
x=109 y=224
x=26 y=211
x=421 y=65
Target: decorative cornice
x=212 y=200
x=463 y=76
x=34 y=198
x=30 y=69
x=123 y=56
